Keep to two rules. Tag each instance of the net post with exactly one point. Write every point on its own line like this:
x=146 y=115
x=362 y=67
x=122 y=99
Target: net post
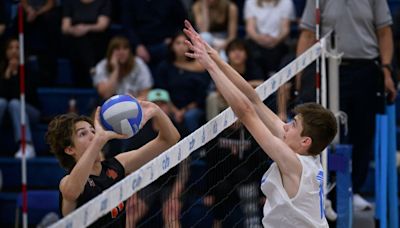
x=333 y=79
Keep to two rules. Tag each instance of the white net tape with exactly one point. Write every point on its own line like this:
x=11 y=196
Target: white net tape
x=110 y=198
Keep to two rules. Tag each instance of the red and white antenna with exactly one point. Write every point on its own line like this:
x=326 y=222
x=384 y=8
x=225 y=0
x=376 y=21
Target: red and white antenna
x=23 y=122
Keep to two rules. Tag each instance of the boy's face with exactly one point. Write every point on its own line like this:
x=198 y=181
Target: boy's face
x=81 y=137
x=292 y=136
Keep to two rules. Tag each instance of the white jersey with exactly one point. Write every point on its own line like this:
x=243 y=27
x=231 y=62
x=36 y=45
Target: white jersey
x=306 y=209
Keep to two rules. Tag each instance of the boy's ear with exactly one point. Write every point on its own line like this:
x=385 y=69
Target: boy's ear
x=306 y=141
x=68 y=150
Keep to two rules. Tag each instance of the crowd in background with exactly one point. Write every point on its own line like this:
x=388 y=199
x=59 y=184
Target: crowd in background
x=137 y=47
x=125 y=46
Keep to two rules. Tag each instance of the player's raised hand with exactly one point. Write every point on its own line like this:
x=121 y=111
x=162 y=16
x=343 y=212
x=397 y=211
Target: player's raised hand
x=101 y=132
x=149 y=110
x=193 y=34
x=197 y=49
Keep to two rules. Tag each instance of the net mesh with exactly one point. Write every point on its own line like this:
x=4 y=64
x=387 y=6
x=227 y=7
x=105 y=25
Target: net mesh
x=210 y=178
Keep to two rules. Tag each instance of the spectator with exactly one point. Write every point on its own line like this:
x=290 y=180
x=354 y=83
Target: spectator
x=267 y=27
x=122 y=72
x=10 y=97
x=171 y=184
x=150 y=26
x=85 y=23
x=239 y=58
x=42 y=32
x=186 y=81
x=365 y=69
x=217 y=21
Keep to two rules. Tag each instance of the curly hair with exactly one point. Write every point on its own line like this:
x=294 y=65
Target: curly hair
x=59 y=137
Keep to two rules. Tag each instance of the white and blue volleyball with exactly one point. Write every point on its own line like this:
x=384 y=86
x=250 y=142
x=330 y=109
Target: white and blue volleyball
x=122 y=114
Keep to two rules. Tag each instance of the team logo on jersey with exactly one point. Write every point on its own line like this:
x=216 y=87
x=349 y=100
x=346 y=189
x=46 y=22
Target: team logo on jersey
x=91 y=182
x=112 y=174
x=115 y=211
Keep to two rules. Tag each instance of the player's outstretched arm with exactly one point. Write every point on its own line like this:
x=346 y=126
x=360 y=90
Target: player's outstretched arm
x=72 y=185
x=273 y=122
x=282 y=154
x=167 y=136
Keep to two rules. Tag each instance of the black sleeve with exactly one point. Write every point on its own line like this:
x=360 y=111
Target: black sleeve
x=116 y=165
x=145 y=135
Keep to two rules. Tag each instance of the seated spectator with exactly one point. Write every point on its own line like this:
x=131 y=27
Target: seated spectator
x=85 y=23
x=42 y=33
x=171 y=184
x=150 y=26
x=10 y=97
x=217 y=21
x=122 y=72
x=186 y=81
x=239 y=58
x=267 y=27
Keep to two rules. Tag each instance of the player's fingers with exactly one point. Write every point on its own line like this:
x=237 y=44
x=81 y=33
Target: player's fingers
x=190 y=55
x=189 y=44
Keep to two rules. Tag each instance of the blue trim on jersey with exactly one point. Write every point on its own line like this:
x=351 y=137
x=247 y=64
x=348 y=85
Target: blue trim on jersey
x=320 y=179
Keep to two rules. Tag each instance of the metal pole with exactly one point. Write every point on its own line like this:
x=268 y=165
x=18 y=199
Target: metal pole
x=317 y=63
x=333 y=80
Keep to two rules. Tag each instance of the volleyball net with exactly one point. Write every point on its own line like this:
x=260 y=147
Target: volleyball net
x=194 y=171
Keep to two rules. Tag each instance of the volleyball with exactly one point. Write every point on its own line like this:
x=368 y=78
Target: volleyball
x=121 y=114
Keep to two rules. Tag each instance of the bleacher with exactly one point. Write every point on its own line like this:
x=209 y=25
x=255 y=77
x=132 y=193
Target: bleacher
x=44 y=172
x=43 y=177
